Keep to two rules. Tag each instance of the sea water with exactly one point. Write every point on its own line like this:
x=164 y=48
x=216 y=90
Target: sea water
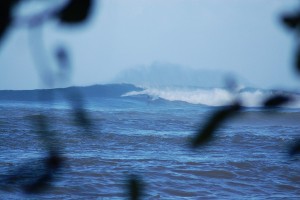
x=147 y=136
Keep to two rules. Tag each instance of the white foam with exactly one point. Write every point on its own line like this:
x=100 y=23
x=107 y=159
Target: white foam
x=209 y=97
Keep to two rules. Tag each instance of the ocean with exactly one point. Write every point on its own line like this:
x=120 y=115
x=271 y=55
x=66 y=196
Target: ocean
x=124 y=130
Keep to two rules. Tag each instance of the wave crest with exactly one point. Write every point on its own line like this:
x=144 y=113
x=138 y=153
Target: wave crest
x=208 y=97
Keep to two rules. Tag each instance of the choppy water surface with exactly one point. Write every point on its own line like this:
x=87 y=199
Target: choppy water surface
x=248 y=158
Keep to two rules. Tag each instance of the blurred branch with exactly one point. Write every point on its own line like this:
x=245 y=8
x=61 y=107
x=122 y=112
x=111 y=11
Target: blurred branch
x=40 y=18
x=206 y=133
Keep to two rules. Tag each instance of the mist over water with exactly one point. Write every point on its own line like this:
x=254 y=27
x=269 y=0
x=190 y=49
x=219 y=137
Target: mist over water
x=160 y=74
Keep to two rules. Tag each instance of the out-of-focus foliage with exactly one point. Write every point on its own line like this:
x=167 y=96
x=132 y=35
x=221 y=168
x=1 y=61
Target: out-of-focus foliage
x=291 y=21
x=295 y=148
x=277 y=100
x=36 y=176
x=6 y=7
x=135 y=188
x=76 y=11
x=206 y=132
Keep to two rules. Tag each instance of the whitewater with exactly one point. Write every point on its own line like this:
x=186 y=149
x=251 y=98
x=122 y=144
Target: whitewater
x=214 y=96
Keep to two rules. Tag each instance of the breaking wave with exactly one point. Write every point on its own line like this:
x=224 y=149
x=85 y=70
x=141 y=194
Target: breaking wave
x=212 y=96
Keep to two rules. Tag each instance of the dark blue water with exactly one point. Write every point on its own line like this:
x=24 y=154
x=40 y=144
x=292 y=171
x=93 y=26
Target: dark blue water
x=150 y=138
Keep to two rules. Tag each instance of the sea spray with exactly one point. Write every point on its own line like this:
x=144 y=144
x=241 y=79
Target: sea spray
x=212 y=96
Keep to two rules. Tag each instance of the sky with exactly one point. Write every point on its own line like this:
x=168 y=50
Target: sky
x=244 y=37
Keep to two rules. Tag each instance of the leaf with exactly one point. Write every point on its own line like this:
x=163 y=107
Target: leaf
x=4 y=24
x=295 y=148
x=135 y=188
x=62 y=57
x=297 y=60
x=82 y=118
x=6 y=7
x=276 y=101
x=76 y=11
x=206 y=133
x=291 y=21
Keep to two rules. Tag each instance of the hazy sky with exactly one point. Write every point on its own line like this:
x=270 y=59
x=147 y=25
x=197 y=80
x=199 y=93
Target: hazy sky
x=242 y=36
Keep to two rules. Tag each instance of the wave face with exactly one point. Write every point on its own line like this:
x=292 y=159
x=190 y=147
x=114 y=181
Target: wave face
x=212 y=96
